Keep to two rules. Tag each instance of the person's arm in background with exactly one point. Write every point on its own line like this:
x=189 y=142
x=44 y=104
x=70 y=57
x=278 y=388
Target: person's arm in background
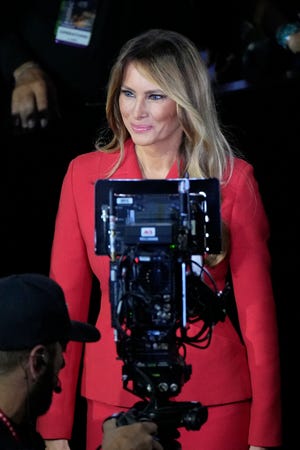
x=33 y=95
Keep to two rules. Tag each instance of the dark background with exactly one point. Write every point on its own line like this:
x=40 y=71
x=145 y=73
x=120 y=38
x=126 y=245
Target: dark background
x=261 y=120
x=265 y=122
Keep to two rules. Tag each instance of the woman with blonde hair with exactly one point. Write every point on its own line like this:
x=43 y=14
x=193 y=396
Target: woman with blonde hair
x=164 y=125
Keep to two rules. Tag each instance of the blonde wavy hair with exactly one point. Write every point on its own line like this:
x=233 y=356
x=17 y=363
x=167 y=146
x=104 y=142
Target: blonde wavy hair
x=173 y=62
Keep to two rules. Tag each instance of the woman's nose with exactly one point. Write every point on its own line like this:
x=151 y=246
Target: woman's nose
x=140 y=108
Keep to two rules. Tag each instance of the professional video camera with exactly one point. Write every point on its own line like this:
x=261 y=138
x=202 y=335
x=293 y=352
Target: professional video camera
x=156 y=233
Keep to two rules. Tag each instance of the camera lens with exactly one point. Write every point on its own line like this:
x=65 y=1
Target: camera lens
x=195 y=418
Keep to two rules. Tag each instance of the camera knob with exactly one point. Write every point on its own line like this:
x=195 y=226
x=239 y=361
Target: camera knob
x=163 y=387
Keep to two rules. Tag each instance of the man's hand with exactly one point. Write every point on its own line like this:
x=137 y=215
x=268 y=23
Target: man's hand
x=57 y=444
x=253 y=447
x=34 y=101
x=136 y=436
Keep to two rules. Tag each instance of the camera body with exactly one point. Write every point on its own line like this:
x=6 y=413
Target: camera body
x=156 y=233
x=146 y=313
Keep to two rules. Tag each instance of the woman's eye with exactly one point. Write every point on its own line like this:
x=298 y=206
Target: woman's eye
x=157 y=96
x=127 y=93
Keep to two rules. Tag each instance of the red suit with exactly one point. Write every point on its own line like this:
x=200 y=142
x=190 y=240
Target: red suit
x=228 y=371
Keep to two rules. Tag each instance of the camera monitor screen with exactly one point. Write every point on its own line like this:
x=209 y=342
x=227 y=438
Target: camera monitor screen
x=155 y=212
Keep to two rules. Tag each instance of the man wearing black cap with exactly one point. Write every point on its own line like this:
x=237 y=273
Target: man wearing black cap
x=35 y=328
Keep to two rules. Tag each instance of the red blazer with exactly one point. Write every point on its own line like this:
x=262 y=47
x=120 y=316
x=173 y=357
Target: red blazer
x=227 y=371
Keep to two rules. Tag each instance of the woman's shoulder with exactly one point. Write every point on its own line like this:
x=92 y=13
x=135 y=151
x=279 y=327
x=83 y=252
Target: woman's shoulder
x=94 y=162
x=240 y=164
x=99 y=162
x=90 y=158
x=241 y=172
x=93 y=158
x=241 y=169
x=241 y=184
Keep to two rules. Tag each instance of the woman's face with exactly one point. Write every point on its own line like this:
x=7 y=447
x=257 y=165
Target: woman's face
x=148 y=114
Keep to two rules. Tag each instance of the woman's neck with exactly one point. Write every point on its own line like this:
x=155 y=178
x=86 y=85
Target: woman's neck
x=155 y=164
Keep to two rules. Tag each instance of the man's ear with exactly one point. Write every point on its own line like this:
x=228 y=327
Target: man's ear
x=38 y=360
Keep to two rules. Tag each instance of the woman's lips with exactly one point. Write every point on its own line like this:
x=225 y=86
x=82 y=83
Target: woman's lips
x=140 y=128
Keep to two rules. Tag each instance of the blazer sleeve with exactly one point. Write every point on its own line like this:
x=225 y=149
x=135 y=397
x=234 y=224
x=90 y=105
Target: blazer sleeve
x=250 y=266
x=70 y=268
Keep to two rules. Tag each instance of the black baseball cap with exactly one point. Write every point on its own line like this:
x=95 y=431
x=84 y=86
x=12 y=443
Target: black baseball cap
x=33 y=311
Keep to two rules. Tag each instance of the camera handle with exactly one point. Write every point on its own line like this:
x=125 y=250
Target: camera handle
x=169 y=416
